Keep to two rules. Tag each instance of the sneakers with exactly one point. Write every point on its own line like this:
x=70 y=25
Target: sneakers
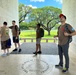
x=8 y=54
x=15 y=49
x=4 y=55
x=19 y=50
x=65 y=70
x=58 y=66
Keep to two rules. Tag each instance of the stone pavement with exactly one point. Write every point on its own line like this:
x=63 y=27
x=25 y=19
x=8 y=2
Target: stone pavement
x=47 y=48
x=29 y=64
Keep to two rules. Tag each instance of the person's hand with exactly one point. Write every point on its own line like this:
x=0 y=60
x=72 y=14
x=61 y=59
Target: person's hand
x=66 y=34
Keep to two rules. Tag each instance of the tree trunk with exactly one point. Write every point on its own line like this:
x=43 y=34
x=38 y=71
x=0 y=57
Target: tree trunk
x=48 y=32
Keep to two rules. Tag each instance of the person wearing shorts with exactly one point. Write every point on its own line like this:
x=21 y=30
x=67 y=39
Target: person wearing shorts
x=38 y=41
x=15 y=34
x=5 y=39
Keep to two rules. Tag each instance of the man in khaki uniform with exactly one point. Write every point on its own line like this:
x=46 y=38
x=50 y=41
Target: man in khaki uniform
x=63 y=43
x=15 y=34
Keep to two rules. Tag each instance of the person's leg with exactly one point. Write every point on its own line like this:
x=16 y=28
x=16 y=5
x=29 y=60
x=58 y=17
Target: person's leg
x=3 y=47
x=39 y=52
x=17 y=41
x=4 y=54
x=19 y=47
x=65 y=50
x=66 y=55
x=60 y=55
x=4 y=51
x=8 y=51
x=37 y=47
x=15 y=44
x=60 y=52
x=39 y=42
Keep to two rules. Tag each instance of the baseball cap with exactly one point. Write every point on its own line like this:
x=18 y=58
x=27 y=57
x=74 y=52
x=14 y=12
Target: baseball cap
x=62 y=15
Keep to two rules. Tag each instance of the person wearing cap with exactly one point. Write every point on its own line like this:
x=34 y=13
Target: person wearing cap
x=63 y=42
x=5 y=39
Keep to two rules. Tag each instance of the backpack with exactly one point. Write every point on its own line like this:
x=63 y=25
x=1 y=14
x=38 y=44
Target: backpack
x=41 y=32
x=67 y=30
x=16 y=29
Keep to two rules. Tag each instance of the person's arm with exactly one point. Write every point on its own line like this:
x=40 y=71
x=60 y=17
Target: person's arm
x=10 y=27
x=70 y=34
x=72 y=31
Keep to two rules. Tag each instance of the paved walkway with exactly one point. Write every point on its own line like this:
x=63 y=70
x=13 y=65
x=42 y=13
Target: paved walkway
x=47 y=48
x=24 y=64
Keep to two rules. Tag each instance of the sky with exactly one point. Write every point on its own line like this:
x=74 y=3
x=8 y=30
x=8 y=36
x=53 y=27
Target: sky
x=42 y=3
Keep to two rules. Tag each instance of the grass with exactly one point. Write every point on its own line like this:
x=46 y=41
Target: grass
x=32 y=34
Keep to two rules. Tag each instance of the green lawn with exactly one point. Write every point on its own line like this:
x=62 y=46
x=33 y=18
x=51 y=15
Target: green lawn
x=32 y=34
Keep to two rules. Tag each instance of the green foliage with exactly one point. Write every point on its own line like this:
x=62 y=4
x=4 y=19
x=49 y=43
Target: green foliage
x=47 y=16
x=23 y=12
x=24 y=26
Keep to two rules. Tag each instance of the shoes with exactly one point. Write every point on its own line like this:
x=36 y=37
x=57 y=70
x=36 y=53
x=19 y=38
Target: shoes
x=65 y=70
x=15 y=49
x=8 y=53
x=4 y=55
x=58 y=66
x=39 y=52
x=20 y=50
x=35 y=53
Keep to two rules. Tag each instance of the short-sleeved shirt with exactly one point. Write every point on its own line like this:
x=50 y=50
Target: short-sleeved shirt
x=14 y=30
x=62 y=38
x=4 y=33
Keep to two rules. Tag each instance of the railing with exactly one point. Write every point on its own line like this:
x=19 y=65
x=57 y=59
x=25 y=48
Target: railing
x=46 y=39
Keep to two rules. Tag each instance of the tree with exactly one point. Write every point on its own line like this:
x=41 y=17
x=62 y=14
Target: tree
x=23 y=12
x=47 y=16
x=24 y=26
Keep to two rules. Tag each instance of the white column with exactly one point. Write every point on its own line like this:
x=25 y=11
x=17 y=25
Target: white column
x=8 y=11
x=69 y=9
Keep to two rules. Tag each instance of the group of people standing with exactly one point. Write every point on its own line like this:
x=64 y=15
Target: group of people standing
x=5 y=37
x=65 y=32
